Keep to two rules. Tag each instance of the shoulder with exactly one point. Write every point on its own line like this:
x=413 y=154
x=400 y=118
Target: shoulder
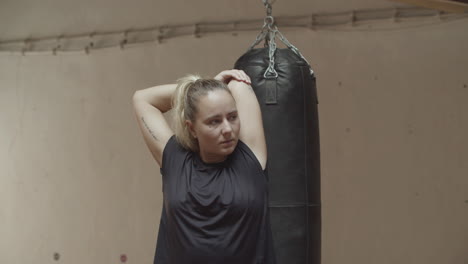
x=245 y=153
x=172 y=145
x=173 y=153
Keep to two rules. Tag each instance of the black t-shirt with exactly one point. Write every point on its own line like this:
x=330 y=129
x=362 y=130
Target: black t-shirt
x=214 y=213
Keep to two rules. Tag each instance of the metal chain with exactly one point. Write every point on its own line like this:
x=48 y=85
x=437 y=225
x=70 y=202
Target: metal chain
x=265 y=2
x=268 y=7
x=261 y=36
x=268 y=33
x=270 y=71
x=267 y=26
x=294 y=49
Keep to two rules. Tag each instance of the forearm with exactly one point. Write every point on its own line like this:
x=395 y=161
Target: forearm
x=240 y=89
x=158 y=96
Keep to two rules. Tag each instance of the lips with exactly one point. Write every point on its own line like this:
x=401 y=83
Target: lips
x=227 y=141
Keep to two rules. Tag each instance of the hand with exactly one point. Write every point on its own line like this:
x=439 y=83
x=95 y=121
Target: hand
x=239 y=75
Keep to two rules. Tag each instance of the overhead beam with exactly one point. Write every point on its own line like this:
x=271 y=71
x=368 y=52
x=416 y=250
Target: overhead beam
x=457 y=6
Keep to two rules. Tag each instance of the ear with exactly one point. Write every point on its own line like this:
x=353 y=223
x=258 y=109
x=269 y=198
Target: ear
x=189 y=125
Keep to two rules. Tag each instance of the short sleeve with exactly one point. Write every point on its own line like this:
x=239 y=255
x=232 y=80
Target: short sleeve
x=173 y=154
x=252 y=156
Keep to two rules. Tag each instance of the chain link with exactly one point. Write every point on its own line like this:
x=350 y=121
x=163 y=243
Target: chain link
x=265 y=2
x=268 y=7
x=268 y=33
x=294 y=49
x=270 y=71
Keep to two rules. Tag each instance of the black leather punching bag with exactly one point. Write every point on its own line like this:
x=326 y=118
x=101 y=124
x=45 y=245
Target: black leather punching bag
x=290 y=118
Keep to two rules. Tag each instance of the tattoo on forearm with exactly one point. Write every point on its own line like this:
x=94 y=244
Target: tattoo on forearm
x=149 y=130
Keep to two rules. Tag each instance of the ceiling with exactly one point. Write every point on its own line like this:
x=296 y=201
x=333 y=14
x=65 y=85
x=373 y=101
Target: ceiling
x=20 y=19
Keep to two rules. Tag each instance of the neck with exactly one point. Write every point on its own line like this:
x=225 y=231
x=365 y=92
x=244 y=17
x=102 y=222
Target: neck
x=210 y=158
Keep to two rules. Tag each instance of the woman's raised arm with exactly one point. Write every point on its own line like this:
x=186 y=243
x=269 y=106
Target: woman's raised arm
x=251 y=132
x=149 y=105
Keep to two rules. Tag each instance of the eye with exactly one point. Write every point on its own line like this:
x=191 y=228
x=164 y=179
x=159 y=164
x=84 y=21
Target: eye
x=233 y=118
x=214 y=121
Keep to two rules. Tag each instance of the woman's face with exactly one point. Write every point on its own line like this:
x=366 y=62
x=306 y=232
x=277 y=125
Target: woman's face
x=216 y=126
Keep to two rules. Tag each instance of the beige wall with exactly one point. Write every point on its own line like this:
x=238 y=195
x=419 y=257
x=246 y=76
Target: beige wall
x=77 y=179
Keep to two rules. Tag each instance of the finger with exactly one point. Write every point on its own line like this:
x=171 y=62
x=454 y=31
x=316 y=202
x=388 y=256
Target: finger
x=239 y=76
x=242 y=75
x=246 y=77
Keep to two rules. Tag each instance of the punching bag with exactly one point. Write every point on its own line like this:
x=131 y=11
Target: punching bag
x=288 y=101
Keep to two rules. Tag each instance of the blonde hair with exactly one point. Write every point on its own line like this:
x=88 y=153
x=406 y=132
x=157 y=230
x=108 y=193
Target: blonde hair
x=185 y=104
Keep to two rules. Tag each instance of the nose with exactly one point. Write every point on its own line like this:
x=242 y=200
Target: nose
x=227 y=128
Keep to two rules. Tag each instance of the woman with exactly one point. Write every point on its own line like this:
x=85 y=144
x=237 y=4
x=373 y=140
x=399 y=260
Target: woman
x=215 y=194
